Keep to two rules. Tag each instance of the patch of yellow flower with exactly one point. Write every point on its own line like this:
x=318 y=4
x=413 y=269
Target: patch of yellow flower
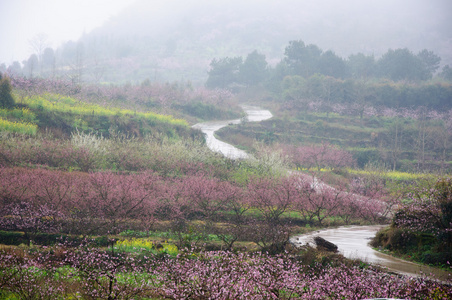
x=394 y=175
x=136 y=244
x=18 y=127
x=66 y=104
x=22 y=114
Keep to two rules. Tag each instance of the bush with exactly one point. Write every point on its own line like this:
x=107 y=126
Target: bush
x=6 y=98
x=48 y=239
x=12 y=238
x=365 y=156
x=395 y=239
x=401 y=240
x=434 y=258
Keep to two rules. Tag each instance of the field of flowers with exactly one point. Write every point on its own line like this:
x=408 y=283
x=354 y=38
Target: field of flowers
x=155 y=216
x=91 y=273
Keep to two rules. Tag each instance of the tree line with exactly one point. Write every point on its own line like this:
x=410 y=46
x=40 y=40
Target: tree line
x=400 y=77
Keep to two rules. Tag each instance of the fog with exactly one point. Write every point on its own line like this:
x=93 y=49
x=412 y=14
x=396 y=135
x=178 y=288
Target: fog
x=179 y=36
x=58 y=20
x=345 y=26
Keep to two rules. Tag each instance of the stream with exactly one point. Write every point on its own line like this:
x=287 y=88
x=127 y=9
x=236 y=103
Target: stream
x=352 y=241
x=254 y=114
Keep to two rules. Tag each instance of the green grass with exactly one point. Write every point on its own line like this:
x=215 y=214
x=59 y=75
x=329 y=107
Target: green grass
x=369 y=139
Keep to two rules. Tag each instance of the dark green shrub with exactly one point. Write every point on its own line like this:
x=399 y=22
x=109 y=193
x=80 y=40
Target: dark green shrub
x=48 y=239
x=365 y=156
x=401 y=240
x=12 y=238
x=6 y=98
x=436 y=258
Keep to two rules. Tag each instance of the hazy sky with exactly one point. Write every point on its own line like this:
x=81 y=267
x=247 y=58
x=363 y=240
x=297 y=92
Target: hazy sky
x=60 y=20
x=64 y=20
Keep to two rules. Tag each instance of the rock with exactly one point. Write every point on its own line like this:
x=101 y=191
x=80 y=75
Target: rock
x=323 y=244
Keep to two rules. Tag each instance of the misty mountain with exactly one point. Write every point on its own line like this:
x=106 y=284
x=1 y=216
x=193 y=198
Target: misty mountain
x=176 y=40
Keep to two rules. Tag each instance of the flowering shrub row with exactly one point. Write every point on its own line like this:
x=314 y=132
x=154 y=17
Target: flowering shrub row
x=39 y=200
x=94 y=273
x=159 y=97
x=88 y=152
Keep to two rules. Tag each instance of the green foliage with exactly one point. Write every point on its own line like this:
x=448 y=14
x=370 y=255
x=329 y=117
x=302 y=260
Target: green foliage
x=18 y=120
x=48 y=239
x=302 y=59
x=421 y=247
x=20 y=114
x=380 y=93
x=253 y=71
x=365 y=156
x=421 y=227
x=332 y=65
x=446 y=73
x=361 y=66
x=402 y=64
x=12 y=238
x=430 y=60
x=6 y=97
x=224 y=72
x=89 y=152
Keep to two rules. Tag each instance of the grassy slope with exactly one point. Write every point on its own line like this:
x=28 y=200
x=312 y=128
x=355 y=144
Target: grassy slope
x=369 y=139
x=64 y=115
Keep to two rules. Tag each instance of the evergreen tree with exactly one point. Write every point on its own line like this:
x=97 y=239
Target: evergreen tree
x=446 y=73
x=224 y=72
x=6 y=98
x=254 y=70
x=301 y=59
x=402 y=64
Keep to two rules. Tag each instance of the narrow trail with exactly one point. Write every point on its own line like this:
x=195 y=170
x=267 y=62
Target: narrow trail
x=352 y=241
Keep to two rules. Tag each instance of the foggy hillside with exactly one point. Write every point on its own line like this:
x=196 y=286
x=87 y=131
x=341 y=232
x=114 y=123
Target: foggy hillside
x=176 y=40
